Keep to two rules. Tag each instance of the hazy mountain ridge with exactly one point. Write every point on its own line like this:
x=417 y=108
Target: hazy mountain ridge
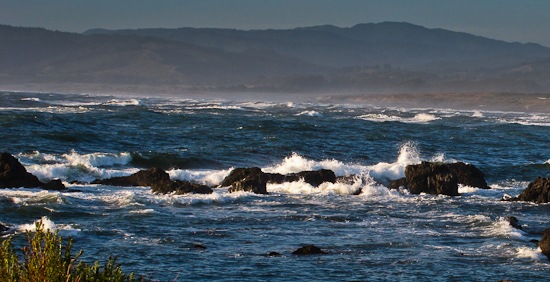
x=376 y=58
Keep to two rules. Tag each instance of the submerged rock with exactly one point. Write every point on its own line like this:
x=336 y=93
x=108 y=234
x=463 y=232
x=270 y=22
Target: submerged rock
x=514 y=222
x=3 y=228
x=14 y=175
x=158 y=180
x=537 y=191
x=398 y=183
x=309 y=250
x=55 y=185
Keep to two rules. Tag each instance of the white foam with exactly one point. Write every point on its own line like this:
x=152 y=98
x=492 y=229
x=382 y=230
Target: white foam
x=144 y=211
x=408 y=155
x=207 y=177
x=420 y=118
x=477 y=114
x=310 y=113
x=47 y=224
x=123 y=102
x=302 y=188
x=25 y=196
x=502 y=228
x=97 y=159
x=34 y=99
x=79 y=166
x=296 y=163
x=530 y=253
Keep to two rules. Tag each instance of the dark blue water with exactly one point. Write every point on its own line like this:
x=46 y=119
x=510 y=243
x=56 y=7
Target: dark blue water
x=377 y=235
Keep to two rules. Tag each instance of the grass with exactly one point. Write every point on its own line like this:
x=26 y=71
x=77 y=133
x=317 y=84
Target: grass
x=47 y=259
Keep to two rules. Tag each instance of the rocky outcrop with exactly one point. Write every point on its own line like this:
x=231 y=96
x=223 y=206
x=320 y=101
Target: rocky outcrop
x=14 y=175
x=309 y=250
x=468 y=175
x=439 y=178
x=253 y=179
x=431 y=178
x=544 y=243
x=314 y=178
x=141 y=178
x=179 y=187
x=252 y=183
x=158 y=180
x=537 y=191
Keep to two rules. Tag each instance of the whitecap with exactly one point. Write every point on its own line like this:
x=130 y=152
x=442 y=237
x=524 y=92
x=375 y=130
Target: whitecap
x=47 y=224
x=143 y=211
x=502 y=228
x=421 y=118
x=25 y=196
x=477 y=114
x=408 y=155
x=33 y=99
x=530 y=253
x=310 y=113
x=296 y=163
x=122 y=102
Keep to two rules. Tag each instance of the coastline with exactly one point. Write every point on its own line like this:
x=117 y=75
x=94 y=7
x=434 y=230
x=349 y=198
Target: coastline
x=505 y=102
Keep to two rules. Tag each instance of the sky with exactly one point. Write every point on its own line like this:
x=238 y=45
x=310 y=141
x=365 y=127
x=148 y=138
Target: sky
x=509 y=20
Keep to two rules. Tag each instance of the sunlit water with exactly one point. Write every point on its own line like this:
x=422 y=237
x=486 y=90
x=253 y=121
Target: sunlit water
x=377 y=235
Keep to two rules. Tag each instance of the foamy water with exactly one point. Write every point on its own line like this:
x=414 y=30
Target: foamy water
x=376 y=233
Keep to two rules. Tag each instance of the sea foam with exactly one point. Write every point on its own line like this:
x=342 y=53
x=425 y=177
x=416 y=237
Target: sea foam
x=47 y=224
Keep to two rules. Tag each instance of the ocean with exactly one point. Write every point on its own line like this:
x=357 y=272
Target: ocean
x=378 y=235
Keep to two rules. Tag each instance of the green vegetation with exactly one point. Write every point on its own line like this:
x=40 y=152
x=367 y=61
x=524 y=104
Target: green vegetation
x=47 y=259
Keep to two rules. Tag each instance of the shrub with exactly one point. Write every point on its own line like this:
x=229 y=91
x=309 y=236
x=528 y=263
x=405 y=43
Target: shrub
x=47 y=259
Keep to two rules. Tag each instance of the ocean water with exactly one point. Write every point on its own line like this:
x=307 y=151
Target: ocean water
x=378 y=235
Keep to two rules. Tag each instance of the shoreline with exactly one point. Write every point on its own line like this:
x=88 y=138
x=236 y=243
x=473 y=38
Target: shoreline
x=504 y=102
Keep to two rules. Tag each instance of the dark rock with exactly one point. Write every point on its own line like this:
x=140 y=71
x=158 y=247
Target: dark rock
x=431 y=178
x=179 y=187
x=239 y=174
x=514 y=222
x=544 y=243
x=55 y=185
x=14 y=175
x=141 y=178
x=199 y=247
x=538 y=191
x=398 y=183
x=253 y=179
x=440 y=178
x=468 y=175
x=317 y=177
x=3 y=228
x=273 y=254
x=158 y=180
x=534 y=241
x=252 y=183
x=309 y=250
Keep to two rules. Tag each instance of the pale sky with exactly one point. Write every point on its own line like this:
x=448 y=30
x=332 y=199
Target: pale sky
x=509 y=20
